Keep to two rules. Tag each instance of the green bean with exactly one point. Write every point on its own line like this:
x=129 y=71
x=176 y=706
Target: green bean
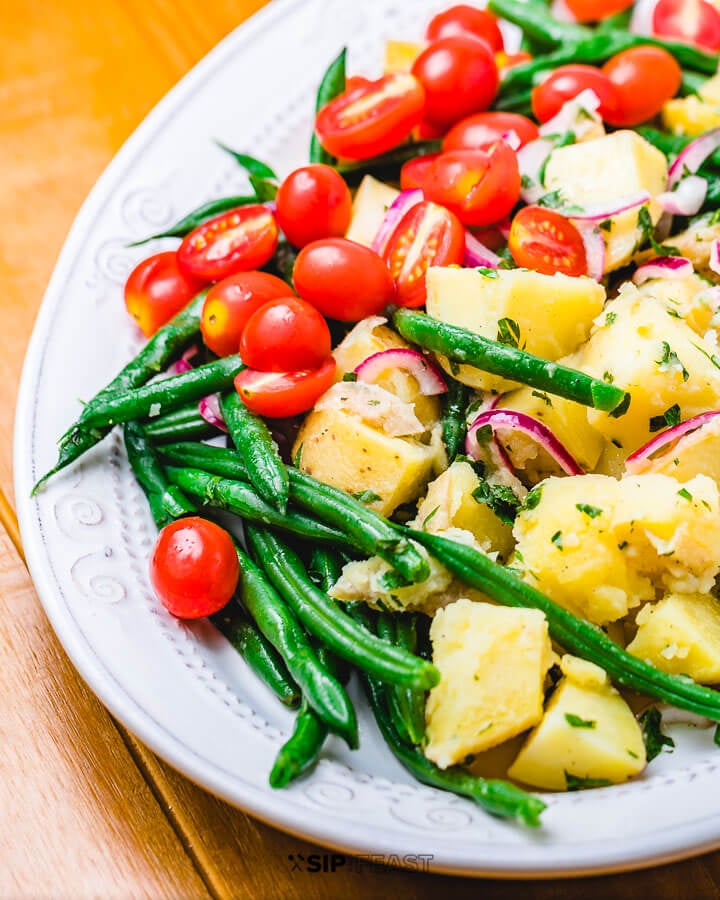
x=183 y=424
x=322 y=617
x=464 y=346
x=387 y=166
x=278 y=624
x=332 y=85
x=691 y=83
x=518 y=102
x=410 y=703
x=369 y=533
x=535 y=20
x=167 y=343
x=199 y=215
x=257 y=652
x=453 y=421
x=254 y=167
x=165 y=395
x=300 y=752
x=326 y=565
x=571 y=632
x=397 y=697
x=266 y=471
x=241 y=499
x=673 y=144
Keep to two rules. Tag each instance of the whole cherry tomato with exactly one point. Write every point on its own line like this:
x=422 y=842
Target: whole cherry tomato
x=567 y=82
x=157 y=289
x=479 y=186
x=284 y=335
x=427 y=235
x=312 y=203
x=342 y=279
x=235 y=241
x=547 y=242
x=460 y=77
x=371 y=117
x=482 y=129
x=194 y=568
x=413 y=172
x=464 y=19
x=645 y=78
x=230 y=303
x=595 y=10
x=694 y=21
x=281 y=394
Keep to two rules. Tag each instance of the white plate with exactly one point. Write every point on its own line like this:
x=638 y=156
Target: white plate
x=182 y=690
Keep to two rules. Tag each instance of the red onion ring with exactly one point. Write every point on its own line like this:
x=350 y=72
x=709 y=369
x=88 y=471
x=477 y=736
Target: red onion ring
x=568 y=118
x=598 y=213
x=594 y=248
x=693 y=156
x=687 y=197
x=530 y=159
x=642 y=17
x=715 y=257
x=669 y=436
x=671 y=267
x=477 y=254
x=397 y=209
x=428 y=376
x=209 y=409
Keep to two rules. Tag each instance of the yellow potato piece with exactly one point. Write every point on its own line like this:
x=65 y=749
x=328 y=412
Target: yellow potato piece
x=400 y=56
x=370 y=204
x=690 y=116
x=697 y=453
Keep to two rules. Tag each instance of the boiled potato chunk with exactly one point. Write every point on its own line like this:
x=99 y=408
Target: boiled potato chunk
x=400 y=56
x=696 y=242
x=588 y=733
x=371 y=202
x=687 y=298
x=690 y=116
x=610 y=169
x=478 y=301
x=697 y=453
x=492 y=662
x=681 y=634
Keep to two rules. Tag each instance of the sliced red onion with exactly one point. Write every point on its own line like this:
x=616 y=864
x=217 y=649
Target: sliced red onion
x=672 y=267
x=477 y=254
x=715 y=257
x=596 y=212
x=561 y=11
x=428 y=376
x=530 y=159
x=512 y=139
x=667 y=437
x=510 y=420
x=687 y=197
x=397 y=209
x=642 y=17
x=574 y=115
x=690 y=159
x=209 y=409
x=183 y=364
x=594 y=248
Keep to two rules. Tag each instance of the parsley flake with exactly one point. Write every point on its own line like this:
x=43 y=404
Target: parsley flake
x=577 y=722
x=592 y=511
x=655 y=740
x=670 y=417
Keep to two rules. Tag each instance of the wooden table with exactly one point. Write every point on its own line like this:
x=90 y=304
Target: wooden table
x=85 y=810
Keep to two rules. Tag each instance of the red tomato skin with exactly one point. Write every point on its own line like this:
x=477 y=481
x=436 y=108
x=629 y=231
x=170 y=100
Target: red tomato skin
x=464 y=19
x=371 y=118
x=483 y=129
x=312 y=203
x=157 y=289
x=694 y=21
x=414 y=171
x=645 y=78
x=342 y=279
x=543 y=240
x=460 y=77
x=230 y=303
x=443 y=244
x=194 y=568
x=567 y=82
x=596 y=10
x=479 y=186
x=285 y=335
x=281 y=394
x=235 y=241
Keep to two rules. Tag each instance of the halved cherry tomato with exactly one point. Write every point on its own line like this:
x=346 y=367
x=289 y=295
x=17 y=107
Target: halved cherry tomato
x=235 y=241
x=427 y=235
x=285 y=334
x=413 y=172
x=156 y=290
x=342 y=279
x=694 y=21
x=312 y=203
x=547 y=242
x=230 y=303
x=645 y=78
x=479 y=186
x=567 y=82
x=595 y=10
x=459 y=76
x=479 y=131
x=371 y=118
x=194 y=568
x=463 y=19
x=281 y=394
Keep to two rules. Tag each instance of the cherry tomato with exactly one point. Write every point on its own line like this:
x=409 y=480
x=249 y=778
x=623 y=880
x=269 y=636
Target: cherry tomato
x=413 y=172
x=479 y=131
x=342 y=279
x=463 y=19
x=194 y=568
x=595 y=10
x=156 y=290
x=230 y=303
x=371 y=118
x=644 y=77
x=459 y=76
x=479 y=186
x=543 y=240
x=694 y=21
x=281 y=394
x=427 y=235
x=286 y=334
x=235 y=241
x=567 y=82
x=312 y=203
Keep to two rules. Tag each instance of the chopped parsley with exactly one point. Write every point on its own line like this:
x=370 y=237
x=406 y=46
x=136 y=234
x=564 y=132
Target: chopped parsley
x=577 y=722
x=367 y=497
x=669 y=361
x=608 y=377
x=392 y=580
x=606 y=225
x=526 y=182
x=429 y=516
x=645 y=224
x=557 y=540
x=622 y=407
x=350 y=376
x=715 y=360
x=508 y=332
x=670 y=417
x=580 y=784
x=486 y=272
x=298 y=455
x=501 y=500
x=533 y=498
x=685 y=494
x=592 y=511
x=655 y=740
x=542 y=396
x=610 y=318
